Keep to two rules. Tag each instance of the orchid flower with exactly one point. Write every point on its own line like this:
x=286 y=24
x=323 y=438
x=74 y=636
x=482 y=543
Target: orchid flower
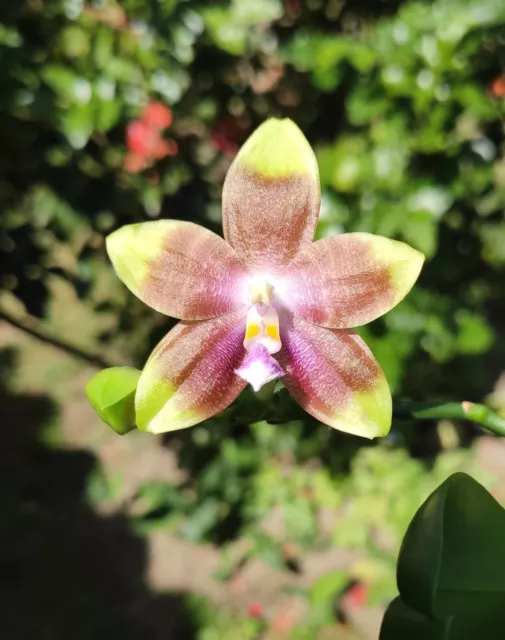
x=266 y=302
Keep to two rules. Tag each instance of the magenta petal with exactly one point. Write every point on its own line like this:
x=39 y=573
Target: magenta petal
x=258 y=367
x=190 y=377
x=333 y=375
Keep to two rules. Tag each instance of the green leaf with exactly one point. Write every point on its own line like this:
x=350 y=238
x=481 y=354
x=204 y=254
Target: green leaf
x=77 y=124
x=157 y=504
x=401 y=622
x=268 y=550
x=203 y=519
x=65 y=82
x=475 y=335
x=107 y=114
x=452 y=557
x=420 y=230
x=252 y=12
x=230 y=28
x=328 y=586
x=111 y=393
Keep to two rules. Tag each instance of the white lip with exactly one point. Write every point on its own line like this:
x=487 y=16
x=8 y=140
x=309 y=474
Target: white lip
x=259 y=368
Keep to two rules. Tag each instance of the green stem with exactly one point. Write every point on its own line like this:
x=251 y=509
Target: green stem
x=281 y=408
x=478 y=413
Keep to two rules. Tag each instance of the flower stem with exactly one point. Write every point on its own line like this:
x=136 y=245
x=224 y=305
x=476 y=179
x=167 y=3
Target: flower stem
x=282 y=408
x=478 y=413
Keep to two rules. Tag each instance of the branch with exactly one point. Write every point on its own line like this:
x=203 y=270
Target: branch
x=95 y=360
x=478 y=413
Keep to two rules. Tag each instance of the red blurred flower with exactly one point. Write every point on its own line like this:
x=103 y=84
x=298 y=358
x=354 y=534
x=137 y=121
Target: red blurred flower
x=134 y=163
x=144 y=141
x=255 y=610
x=157 y=115
x=356 y=595
x=141 y=139
x=497 y=87
x=165 y=148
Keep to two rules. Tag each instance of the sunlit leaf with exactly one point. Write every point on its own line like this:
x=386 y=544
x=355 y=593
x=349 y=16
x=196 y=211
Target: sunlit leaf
x=452 y=557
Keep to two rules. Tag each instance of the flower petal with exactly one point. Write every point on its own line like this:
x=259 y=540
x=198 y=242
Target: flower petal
x=333 y=375
x=190 y=376
x=179 y=268
x=349 y=280
x=271 y=197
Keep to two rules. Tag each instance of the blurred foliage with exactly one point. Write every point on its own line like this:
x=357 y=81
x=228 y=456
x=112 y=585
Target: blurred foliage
x=404 y=104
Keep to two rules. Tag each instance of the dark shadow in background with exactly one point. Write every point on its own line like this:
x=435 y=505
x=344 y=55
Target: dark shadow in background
x=67 y=573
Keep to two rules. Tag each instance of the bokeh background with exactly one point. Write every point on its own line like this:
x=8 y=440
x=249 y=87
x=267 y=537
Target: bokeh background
x=237 y=529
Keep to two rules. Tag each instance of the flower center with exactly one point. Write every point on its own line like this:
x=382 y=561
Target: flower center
x=262 y=337
x=262 y=325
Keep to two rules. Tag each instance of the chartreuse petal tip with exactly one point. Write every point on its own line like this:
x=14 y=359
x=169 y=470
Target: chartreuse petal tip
x=111 y=393
x=132 y=249
x=190 y=376
x=278 y=148
x=369 y=414
x=158 y=408
x=403 y=262
x=178 y=268
x=152 y=395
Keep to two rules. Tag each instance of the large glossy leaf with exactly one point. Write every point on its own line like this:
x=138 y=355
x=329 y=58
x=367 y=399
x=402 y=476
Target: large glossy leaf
x=401 y=622
x=450 y=568
x=486 y=623
x=111 y=393
x=452 y=558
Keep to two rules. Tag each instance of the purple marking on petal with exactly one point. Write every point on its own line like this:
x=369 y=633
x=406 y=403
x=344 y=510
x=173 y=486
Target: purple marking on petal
x=258 y=367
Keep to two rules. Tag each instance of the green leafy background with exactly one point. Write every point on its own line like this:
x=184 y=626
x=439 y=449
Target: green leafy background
x=140 y=537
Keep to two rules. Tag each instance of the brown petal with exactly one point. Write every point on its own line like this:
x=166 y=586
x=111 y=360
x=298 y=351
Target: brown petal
x=271 y=197
x=179 y=268
x=349 y=280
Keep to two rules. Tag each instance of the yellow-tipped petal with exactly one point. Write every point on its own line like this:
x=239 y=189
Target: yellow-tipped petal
x=132 y=249
x=179 y=268
x=404 y=263
x=190 y=376
x=271 y=197
x=349 y=280
x=333 y=375
x=277 y=149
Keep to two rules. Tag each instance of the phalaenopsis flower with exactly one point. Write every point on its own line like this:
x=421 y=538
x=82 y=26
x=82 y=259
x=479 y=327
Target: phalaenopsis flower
x=266 y=302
